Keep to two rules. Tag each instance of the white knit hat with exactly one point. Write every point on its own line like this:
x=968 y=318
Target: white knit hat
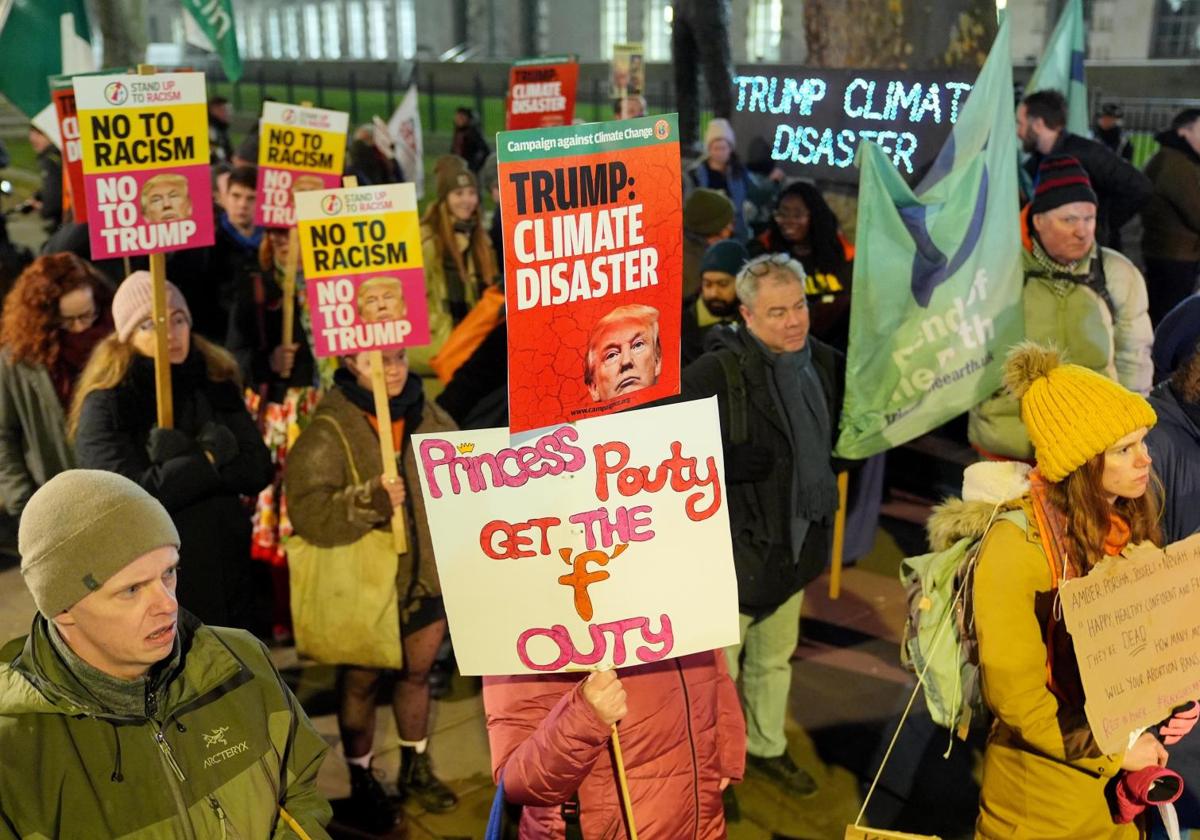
x=719 y=129
x=133 y=302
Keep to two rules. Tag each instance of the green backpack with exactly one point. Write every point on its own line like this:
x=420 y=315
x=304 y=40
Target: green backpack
x=940 y=646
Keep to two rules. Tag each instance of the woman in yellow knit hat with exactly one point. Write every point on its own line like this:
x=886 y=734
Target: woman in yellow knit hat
x=1090 y=497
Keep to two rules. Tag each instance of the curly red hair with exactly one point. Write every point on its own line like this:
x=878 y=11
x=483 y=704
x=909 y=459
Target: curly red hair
x=29 y=325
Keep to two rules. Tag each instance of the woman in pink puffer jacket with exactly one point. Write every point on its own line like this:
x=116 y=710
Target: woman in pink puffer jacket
x=683 y=739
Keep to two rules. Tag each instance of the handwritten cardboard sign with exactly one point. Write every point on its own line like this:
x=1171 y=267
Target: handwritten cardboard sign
x=1135 y=624
x=541 y=93
x=146 y=179
x=601 y=543
x=299 y=149
x=593 y=257
x=361 y=250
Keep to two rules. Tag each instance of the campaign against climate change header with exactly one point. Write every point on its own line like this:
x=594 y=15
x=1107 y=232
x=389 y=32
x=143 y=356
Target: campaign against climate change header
x=145 y=162
x=593 y=249
x=612 y=534
x=361 y=248
x=300 y=149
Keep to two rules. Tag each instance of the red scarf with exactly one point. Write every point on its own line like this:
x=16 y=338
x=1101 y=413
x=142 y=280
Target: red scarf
x=74 y=350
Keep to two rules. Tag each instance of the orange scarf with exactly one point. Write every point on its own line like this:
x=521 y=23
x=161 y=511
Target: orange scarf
x=397 y=429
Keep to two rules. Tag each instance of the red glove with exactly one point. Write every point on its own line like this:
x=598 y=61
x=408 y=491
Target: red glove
x=1148 y=786
x=1180 y=723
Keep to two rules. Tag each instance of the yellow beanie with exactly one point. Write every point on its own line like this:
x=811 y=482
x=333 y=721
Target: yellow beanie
x=1072 y=414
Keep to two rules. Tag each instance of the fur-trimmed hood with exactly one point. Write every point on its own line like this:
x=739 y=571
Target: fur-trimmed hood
x=986 y=485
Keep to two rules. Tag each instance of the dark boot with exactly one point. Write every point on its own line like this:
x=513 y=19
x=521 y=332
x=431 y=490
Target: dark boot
x=418 y=782
x=370 y=809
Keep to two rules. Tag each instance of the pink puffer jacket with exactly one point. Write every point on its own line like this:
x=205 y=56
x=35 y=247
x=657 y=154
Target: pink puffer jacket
x=683 y=734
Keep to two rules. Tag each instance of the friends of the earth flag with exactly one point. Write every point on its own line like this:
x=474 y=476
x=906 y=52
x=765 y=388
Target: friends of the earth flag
x=363 y=270
x=1061 y=67
x=593 y=267
x=603 y=542
x=209 y=25
x=146 y=178
x=40 y=39
x=541 y=93
x=299 y=150
x=937 y=276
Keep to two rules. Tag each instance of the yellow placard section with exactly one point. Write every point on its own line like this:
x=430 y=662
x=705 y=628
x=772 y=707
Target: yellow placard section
x=129 y=139
x=289 y=147
x=360 y=244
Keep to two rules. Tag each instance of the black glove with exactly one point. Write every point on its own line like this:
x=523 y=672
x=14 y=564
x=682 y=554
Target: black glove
x=218 y=442
x=165 y=444
x=748 y=462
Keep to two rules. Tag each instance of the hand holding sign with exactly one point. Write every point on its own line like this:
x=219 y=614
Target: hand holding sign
x=604 y=693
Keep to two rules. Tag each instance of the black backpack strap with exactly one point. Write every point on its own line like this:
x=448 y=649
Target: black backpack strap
x=735 y=387
x=570 y=815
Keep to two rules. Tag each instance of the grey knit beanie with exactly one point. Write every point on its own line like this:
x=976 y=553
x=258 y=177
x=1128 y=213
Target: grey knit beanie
x=82 y=527
x=134 y=301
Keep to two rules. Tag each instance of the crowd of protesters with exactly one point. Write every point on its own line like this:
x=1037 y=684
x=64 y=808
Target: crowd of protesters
x=273 y=447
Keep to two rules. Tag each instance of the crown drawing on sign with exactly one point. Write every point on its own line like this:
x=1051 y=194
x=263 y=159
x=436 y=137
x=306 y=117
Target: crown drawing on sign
x=466 y=448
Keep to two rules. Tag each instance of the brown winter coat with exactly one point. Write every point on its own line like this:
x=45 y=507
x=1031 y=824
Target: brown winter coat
x=328 y=509
x=1171 y=221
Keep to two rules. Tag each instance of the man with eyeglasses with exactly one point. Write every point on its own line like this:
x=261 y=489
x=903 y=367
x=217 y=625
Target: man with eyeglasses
x=779 y=393
x=1089 y=302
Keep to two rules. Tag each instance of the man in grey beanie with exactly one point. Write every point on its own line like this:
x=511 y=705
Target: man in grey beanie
x=120 y=714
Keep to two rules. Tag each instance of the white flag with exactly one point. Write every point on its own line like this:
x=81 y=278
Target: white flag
x=405 y=128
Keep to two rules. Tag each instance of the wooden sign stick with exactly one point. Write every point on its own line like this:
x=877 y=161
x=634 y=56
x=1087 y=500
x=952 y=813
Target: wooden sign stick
x=289 y=273
x=160 y=316
x=383 y=416
x=625 y=799
x=839 y=537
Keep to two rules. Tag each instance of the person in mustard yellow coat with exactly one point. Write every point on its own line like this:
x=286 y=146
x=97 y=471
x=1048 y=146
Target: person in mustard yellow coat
x=1044 y=775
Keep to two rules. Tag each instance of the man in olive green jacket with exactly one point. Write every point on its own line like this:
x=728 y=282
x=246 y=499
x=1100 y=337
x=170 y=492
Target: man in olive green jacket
x=121 y=716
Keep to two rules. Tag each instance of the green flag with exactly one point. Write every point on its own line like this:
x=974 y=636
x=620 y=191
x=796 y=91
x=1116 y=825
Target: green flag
x=937 y=275
x=214 y=20
x=1061 y=67
x=39 y=39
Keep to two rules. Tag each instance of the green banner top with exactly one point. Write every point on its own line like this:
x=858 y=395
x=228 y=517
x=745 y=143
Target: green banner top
x=587 y=138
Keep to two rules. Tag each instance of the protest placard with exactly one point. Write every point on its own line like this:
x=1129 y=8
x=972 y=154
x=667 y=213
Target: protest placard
x=628 y=70
x=600 y=543
x=593 y=247
x=541 y=93
x=361 y=250
x=62 y=92
x=813 y=118
x=1135 y=627
x=145 y=162
x=405 y=129
x=299 y=149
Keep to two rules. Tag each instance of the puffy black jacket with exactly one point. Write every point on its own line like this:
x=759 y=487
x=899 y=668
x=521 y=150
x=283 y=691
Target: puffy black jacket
x=1175 y=447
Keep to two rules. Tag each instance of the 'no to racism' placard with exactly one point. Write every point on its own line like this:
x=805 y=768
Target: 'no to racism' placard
x=593 y=261
x=600 y=543
x=299 y=150
x=361 y=249
x=541 y=93
x=145 y=162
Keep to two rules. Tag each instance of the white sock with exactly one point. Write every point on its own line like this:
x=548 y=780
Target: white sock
x=363 y=761
x=420 y=746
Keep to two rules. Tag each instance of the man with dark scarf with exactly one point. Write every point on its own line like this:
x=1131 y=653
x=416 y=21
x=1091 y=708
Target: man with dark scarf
x=779 y=393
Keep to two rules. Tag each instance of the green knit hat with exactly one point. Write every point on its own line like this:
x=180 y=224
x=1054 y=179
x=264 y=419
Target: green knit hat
x=81 y=528
x=707 y=212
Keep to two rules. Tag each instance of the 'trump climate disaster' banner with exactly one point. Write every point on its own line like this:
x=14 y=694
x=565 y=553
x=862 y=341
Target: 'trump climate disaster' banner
x=605 y=542
x=593 y=260
x=299 y=150
x=145 y=162
x=361 y=249
x=541 y=93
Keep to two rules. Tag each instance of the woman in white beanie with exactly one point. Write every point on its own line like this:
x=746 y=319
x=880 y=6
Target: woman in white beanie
x=720 y=169
x=198 y=469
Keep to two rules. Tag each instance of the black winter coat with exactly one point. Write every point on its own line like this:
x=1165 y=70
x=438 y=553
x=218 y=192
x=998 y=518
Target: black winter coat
x=760 y=512
x=1175 y=447
x=1122 y=190
x=213 y=524
x=256 y=329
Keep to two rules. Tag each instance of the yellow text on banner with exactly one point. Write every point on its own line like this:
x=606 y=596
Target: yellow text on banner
x=287 y=147
x=137 y=139
x=359 y=244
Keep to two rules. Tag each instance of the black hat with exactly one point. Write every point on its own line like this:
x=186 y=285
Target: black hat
x=1061 y=180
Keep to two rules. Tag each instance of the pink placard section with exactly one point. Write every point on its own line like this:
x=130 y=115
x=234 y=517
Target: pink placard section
x=131 y=213
x=380 y=310
x=276 y=187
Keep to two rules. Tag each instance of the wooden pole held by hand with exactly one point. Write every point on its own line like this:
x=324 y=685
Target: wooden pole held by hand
x=839 y=536
x=289 y=284
x=387 y=447
x=619 y=761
